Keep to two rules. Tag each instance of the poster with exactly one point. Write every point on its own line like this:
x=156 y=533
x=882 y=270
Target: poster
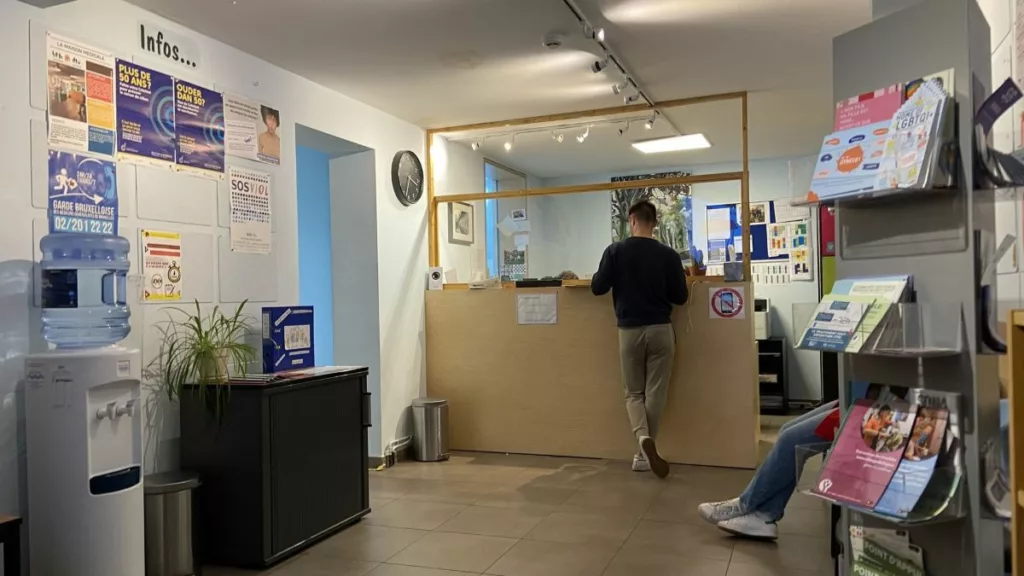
x=145 y=114
x=161 y=266
x=82 y=194
x=673 y=202
x=199 y=123
x=250 y=211
x=79 y=93
x=778 y=240
x=251 y=130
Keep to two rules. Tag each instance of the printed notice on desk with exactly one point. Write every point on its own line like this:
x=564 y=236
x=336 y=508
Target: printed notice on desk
x=537 y=308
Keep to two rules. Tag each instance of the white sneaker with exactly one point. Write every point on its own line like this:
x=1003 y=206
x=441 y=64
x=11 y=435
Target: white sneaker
x=715 y=512
x=650 y=451
x=751 y=526
x=640 y=463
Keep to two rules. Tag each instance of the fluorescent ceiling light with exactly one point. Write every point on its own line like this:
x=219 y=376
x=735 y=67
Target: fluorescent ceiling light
x=673 y=144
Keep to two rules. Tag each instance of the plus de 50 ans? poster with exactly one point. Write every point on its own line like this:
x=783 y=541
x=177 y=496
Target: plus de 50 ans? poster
x=145 y=115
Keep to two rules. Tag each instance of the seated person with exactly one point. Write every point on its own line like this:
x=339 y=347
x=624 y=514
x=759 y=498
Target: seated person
x=755 y=513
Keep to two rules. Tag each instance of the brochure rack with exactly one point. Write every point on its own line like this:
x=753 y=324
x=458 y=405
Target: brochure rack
x=924 y=330
x=948 y=480
x=916 y=232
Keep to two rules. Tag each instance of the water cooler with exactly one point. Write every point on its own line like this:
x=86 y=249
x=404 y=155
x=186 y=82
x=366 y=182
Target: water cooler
x=84 y=438
x=83 y=418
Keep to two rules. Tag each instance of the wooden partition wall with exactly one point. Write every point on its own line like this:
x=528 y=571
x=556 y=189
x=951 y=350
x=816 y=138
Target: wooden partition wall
x=557 y=389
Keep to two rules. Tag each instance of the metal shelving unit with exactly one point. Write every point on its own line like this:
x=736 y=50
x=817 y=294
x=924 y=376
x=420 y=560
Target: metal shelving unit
x=931 y=236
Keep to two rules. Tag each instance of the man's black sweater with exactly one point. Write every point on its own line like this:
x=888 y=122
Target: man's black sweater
x=645 y=277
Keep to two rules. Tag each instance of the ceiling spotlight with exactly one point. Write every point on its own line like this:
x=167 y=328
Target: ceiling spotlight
x=584 y=135
x=599 y=65
x=650 y=122
x=599 y=34
x=475 y=146
x=557 y=137
x=618 y=88
x=591 y=33
x=631 y=98
x=509 y=142
x=624 y=129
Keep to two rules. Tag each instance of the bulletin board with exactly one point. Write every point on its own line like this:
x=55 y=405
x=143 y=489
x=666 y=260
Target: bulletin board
x=762 y=214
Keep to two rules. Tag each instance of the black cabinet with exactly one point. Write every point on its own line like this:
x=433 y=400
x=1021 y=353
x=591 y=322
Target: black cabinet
x=771 y=375
x=286 y=467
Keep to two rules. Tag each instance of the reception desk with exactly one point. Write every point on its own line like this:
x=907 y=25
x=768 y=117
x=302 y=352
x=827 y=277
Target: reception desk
x=557 y=389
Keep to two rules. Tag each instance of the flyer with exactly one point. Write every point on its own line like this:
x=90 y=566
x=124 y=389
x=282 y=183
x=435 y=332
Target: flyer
x=199 y=123
x=145 y=114
x=82 y=194
x=161 y=266
x=250 y=211
x=251 y=130
x=79 y=92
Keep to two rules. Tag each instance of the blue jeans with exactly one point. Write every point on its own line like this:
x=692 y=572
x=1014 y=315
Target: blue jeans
x=774 y=483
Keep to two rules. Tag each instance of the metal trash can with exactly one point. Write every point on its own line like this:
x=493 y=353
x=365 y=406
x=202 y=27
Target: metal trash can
x=170 y=517
x=430 y=429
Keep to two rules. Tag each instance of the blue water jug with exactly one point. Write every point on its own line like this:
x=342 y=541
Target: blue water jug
x=84 y=289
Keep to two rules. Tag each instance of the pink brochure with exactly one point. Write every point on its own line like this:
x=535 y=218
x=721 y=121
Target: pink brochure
x=868 y=108
x=867 y=452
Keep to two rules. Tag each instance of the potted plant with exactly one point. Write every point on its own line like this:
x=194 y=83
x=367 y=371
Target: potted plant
x=203 y=351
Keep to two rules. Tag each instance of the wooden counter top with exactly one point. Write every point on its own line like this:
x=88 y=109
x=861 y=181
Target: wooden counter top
x=557 y=389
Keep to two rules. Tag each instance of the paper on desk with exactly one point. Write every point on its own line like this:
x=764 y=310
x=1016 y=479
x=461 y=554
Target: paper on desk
x=537 y=308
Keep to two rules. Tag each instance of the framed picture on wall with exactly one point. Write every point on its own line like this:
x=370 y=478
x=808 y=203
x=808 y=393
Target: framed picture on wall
x=519 y=214
x=461 y=223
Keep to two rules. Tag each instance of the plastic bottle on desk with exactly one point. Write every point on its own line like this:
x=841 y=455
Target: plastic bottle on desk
x=84 y=295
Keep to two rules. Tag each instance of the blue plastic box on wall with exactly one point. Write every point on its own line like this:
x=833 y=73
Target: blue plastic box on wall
x=287 y=338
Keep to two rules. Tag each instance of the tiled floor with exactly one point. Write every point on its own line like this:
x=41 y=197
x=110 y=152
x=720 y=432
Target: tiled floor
x=536 y=516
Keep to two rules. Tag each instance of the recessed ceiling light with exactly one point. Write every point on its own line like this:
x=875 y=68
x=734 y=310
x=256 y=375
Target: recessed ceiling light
x=673 y=144
x=508 y=143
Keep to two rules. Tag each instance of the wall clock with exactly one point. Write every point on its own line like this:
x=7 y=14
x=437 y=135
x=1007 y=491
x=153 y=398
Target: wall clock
x=407 y=177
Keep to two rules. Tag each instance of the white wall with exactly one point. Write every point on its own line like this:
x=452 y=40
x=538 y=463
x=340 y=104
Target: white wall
x=459 y=170
x=180 y=203
x=571 y=231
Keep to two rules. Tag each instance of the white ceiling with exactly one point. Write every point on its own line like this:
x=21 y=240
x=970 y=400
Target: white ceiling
x=447 y=62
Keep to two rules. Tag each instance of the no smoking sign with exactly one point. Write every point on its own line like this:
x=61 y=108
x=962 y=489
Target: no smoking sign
x=726 y=303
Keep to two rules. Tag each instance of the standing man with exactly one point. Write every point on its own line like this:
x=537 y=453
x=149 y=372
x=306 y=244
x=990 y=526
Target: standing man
x=646 y=278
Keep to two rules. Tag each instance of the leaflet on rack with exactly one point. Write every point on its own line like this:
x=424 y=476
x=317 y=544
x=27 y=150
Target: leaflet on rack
x=849 y=161
x=913 y=139
x=867 y=452
x=915 y=471
x=947 y=473
x=880 y=543
x=835 y=320
x=883 y=290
